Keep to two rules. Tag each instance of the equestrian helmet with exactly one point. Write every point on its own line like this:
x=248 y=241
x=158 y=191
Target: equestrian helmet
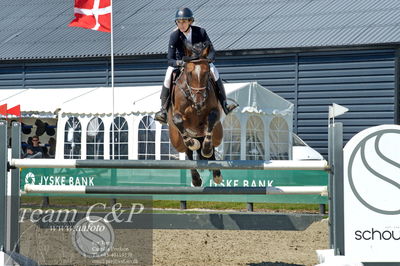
x=184 y=13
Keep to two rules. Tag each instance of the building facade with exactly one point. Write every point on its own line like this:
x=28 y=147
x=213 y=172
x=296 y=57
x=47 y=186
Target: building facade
x=311 y=52
x=363 y=80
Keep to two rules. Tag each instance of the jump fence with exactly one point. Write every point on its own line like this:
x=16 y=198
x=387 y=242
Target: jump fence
x=9 y=242
x=163 y=164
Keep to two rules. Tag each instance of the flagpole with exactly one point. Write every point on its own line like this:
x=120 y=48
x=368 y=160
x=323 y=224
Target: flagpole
x=112 y=79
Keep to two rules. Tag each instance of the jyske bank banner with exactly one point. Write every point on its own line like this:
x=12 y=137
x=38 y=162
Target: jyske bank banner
x=171 y=177
x=372 y=195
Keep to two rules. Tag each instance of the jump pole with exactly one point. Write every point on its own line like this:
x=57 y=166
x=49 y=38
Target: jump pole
x=140 y=190
x=160 y=164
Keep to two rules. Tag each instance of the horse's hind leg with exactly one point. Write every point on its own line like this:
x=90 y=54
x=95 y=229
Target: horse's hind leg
x=196 y=179
x=191 y=143
x=207 y=149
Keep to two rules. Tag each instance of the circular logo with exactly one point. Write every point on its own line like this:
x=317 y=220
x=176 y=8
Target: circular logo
x=374 y=171
x=30 y=178
x=93 y=237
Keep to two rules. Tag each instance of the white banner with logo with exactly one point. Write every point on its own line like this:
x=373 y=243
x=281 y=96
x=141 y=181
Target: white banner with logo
x=372 y=195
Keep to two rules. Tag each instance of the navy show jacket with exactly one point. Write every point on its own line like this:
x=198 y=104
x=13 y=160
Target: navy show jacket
x=176 y=44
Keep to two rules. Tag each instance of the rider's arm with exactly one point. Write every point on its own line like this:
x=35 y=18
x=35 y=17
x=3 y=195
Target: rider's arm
x=211 y=52
x=172 y=50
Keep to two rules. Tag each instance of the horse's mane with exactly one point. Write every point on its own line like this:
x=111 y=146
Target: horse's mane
x=196 y=51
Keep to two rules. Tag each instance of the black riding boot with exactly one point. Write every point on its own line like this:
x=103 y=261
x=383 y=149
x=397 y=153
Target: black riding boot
x=222 y=98
x=162 y=115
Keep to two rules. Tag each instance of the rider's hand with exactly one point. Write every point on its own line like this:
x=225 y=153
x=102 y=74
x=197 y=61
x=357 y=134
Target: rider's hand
x=187 y=59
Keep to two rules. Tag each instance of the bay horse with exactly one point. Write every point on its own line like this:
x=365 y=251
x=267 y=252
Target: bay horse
x=194 y=116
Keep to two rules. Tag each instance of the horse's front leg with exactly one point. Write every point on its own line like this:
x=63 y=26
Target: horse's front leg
x=196 y=179
x=217 y=176
x=207 y=149
x=191 y=143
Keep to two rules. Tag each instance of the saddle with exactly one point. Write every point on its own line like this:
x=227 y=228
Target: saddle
x=175 y=75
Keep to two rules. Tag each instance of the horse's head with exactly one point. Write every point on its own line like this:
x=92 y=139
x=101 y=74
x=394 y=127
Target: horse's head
x=197 y=70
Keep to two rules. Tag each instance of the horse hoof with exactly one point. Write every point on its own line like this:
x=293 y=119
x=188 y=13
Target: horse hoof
x=208 y=155
x=196 y=182
x=196 y=145
x=217 y=179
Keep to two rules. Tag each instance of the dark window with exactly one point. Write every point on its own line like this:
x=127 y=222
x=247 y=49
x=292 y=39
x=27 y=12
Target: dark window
x=279 y=139
x=95 y=139
x=168 y=151
x=120 y=140
x=231 y=138
x=255 y=149
x=147 y=139
x=72 y=139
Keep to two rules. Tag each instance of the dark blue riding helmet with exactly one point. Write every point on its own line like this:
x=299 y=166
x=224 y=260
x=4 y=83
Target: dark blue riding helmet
x=184 y=13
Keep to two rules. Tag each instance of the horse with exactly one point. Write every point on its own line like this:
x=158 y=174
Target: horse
x=194 y=115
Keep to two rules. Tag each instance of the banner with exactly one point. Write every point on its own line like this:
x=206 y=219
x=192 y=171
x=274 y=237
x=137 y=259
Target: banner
x=372 y=195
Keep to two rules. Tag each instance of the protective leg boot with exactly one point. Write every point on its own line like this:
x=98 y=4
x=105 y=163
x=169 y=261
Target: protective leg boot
x=162 y=115
x=222 y=98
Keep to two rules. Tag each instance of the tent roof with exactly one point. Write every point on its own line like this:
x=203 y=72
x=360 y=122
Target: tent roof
x=40 y=102
x=251 y=97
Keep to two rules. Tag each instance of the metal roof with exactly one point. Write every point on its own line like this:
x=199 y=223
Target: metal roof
x=38 y=28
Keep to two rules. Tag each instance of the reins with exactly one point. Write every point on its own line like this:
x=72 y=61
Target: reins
x=191 y=92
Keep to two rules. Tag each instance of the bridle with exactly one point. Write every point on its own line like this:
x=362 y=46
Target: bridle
x=191 y=92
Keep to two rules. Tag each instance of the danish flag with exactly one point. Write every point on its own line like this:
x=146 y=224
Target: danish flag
x=92 y=14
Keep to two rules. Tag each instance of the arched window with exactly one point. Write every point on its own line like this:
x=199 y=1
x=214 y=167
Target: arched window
x=95 y=139
x=72 y=139
x=147 y=139
x=120 y=139
x=279 y=139
x=255 y=149
x=231 y=138
x=168 y=151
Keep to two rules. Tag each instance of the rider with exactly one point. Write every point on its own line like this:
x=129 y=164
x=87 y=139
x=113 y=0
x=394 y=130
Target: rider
x=192 y=34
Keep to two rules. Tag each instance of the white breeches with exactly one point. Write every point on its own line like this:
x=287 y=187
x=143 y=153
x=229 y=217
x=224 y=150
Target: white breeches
x=168 y=74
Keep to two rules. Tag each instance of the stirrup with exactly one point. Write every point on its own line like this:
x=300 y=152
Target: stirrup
x=229 y=107
x=161 y=116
